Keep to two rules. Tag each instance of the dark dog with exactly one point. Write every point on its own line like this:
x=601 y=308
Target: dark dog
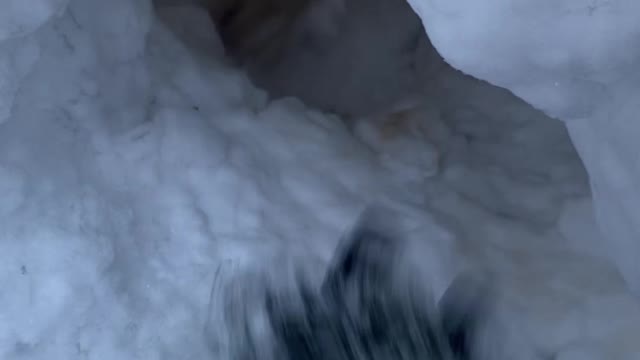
x=358 y=312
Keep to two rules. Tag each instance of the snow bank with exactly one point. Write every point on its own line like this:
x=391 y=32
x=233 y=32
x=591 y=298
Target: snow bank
x=577 y=60
x=133 y=162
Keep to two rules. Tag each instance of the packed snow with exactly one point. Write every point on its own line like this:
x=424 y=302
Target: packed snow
x=135 y=161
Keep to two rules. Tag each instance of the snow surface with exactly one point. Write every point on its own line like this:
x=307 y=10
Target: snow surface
x=134 y=161
x=577 y=60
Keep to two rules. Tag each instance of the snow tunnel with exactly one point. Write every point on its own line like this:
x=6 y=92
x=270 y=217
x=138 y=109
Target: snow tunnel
x=140 y=153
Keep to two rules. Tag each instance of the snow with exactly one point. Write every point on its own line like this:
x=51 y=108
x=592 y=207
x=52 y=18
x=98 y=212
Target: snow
x=576 y=60
x=134 y=161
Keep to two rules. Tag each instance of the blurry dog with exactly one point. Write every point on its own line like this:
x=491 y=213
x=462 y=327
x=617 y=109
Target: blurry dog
x=358 y=312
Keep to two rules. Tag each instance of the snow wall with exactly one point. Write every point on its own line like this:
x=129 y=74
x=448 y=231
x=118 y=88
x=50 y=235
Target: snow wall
x=574 y=59
x=577 y=60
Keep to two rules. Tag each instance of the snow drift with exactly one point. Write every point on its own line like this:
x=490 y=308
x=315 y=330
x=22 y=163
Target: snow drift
x=134 y=161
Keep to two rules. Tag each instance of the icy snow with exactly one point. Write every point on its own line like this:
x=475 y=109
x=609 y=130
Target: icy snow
x=134 y=161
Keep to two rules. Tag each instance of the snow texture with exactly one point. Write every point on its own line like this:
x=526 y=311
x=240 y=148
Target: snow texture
x=134 y=161
x=576 y=60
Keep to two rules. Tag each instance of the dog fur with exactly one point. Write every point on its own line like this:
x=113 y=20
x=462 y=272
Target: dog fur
x=359 y=311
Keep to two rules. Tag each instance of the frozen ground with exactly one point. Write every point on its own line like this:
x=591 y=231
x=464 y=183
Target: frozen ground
x=134 y=162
